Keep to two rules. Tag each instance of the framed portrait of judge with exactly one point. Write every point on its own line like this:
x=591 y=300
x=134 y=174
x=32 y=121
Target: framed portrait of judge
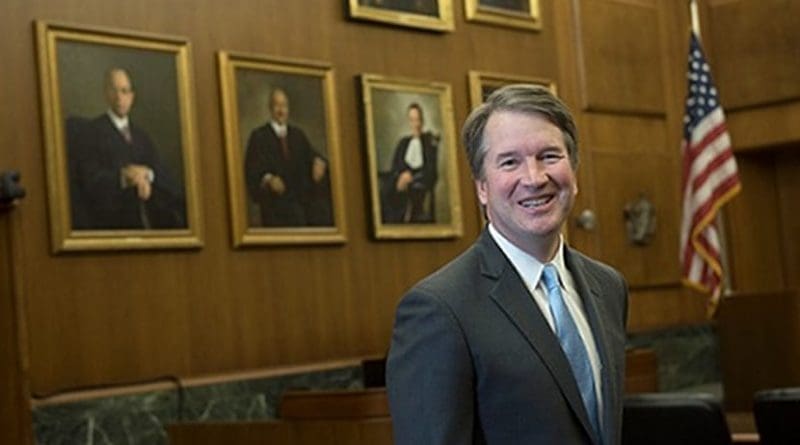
x=411 y=154
x=522 y=14
x=282 y=150
x=120 y=139
x=434 y=15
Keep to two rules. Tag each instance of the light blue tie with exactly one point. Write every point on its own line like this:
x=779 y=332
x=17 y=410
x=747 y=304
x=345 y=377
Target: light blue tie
x=571 y=343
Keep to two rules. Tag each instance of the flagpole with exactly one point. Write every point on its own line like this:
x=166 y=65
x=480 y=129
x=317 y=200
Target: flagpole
x=719 y=222
x=695 y=18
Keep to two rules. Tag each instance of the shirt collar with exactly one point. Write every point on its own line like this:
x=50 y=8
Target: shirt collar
x=528 y=267
x=280 y=129
x=119 y=122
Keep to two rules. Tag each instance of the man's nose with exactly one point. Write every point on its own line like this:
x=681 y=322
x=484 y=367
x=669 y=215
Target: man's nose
x=535 y=172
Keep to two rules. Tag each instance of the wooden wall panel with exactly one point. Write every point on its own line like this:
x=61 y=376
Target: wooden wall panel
x=631 y=58
x=754 y=231
x=756 y=56
x=759 y=336
x=664 y=307
x=97 y=318
x=15 y=415
x=110 y=317
x=764 y=128
x=656 y=179
x=787 y=164
x=627 y=33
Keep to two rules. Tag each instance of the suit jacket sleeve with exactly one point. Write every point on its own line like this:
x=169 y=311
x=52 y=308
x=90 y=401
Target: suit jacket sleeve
x=429 y=375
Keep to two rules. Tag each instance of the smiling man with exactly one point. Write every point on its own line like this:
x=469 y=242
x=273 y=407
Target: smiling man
x=520 y=340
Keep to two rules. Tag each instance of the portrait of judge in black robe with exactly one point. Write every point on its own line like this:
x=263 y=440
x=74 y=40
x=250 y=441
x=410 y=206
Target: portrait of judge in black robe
x=118 y=180
x=286 y=177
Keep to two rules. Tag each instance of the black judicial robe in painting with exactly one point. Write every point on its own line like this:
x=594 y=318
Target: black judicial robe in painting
x=97 y=152
x=303 y=203
x=417 y=203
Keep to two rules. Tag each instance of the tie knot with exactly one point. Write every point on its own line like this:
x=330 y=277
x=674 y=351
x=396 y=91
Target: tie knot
x=550 y=277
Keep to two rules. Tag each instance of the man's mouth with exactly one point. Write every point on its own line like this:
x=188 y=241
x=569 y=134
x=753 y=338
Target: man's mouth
x=533 y=203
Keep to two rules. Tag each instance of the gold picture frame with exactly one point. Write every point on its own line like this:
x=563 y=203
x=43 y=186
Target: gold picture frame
x=482 y=83
x=435 y=15
x=414 y=185
x=522 y=14
x=125 y=185
x=308 y=208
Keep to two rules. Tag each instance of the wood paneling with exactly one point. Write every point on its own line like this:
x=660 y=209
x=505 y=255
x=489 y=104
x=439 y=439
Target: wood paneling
x=753 y=226
x=97 y=318
x=665 y=307
x=759 y=335
x=641 y=371
x=629 y=34
x=655 y=178
x=631 y=58
x=788 y=181
x=15 y=416
x=334 y=404
x=756 y=56
x=764 y=128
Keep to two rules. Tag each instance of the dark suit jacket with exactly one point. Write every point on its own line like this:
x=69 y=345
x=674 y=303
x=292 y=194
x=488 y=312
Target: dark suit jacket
x=98 y=152
x=473 y=359
x=304 y=202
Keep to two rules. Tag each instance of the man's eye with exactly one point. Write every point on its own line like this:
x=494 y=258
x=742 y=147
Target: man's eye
x=552 y=157
x=506 y=163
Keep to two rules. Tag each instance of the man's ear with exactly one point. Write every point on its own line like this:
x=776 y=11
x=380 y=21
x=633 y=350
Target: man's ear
x=480 y=190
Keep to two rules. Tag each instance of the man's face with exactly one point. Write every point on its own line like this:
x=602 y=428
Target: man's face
x=279 y=107
x=415 y=121
x=119 y=93
x=528 y=184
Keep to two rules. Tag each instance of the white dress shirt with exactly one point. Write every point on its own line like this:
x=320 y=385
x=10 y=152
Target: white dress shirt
x=530 y=270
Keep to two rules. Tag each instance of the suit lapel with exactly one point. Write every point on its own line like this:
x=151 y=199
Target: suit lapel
x=513 y=298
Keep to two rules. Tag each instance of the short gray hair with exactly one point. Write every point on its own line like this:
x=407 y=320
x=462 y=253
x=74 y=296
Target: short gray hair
x=520 y=98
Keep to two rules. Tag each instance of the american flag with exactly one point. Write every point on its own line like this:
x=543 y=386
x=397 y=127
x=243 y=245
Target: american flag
x=710 y=179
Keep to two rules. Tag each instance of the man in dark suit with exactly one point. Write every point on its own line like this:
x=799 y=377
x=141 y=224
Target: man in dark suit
x=285 y=176
x=519 y=340
x=410 y=197
x=118 y=181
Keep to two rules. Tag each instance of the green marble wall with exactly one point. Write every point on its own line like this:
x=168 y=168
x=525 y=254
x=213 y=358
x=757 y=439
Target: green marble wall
x=687 y=357
x=140 y=419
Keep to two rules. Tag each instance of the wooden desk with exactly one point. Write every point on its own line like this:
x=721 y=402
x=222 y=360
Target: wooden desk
x=641 y=371
x=743 y=427
x=334 y=405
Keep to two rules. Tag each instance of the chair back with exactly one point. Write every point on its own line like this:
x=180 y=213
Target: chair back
x=777 y=413
x=674 y=418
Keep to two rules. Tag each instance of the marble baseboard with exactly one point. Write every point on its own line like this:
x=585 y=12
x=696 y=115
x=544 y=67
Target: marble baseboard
x=688 y=356
x=140 y=419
